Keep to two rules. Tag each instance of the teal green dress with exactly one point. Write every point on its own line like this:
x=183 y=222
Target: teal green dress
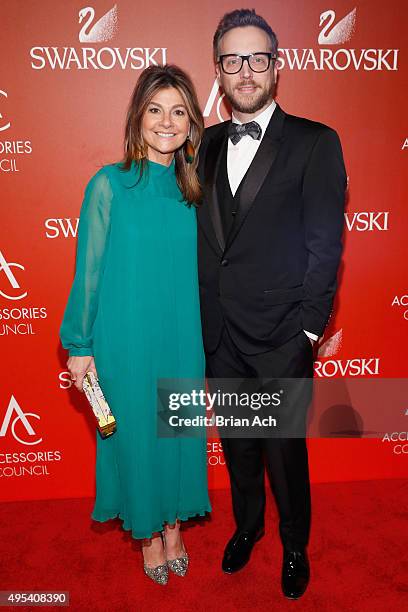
x=134 y=306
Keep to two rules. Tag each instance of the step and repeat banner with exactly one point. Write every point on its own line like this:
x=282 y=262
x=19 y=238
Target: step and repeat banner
x=67 y=73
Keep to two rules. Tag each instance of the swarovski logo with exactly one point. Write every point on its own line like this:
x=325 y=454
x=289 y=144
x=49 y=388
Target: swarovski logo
x=61 y=227
x=101 y=57
x=347 y=367
x=340 y=59
x=367 y=221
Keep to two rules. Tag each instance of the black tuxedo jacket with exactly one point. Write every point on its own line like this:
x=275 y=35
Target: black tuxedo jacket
x=274 y=274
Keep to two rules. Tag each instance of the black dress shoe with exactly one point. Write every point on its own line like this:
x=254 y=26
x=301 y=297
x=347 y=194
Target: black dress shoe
x=238 y=550
x=295 y=573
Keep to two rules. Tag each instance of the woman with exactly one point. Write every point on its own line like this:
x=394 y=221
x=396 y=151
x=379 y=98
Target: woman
x=133 y=316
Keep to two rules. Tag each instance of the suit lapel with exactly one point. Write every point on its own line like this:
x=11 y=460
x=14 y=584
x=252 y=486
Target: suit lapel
x=258 y=170
x=209 y=214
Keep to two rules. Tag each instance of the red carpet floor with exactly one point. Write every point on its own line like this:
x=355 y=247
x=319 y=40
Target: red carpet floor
x=358 y=555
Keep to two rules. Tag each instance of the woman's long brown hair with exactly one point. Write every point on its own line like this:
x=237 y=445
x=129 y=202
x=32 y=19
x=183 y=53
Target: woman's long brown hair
x=151 y=80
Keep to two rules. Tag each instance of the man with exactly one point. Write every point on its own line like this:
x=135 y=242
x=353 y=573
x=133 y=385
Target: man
x=269 y=248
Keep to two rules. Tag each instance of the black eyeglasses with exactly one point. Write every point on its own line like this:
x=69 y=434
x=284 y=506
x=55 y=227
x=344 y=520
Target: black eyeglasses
x=258 y=62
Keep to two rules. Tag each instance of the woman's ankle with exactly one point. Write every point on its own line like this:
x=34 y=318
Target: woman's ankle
x=153 y=551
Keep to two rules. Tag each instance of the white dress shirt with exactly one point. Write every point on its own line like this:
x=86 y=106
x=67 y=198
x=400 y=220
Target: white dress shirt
x=240 y=156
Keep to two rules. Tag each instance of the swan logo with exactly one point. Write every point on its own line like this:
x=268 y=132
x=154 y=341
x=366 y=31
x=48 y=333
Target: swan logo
x=100 y=57
x=5 y=267
x=331 y=346
x=341 y=32
x=330 y=57
x=21 y=417
x=104 y=29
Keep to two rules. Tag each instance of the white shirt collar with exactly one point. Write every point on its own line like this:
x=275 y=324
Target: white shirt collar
x=263 y=118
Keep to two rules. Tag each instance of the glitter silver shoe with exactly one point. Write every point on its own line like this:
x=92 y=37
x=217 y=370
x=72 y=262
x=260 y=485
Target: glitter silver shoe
x=159 y=574
x=179 y=565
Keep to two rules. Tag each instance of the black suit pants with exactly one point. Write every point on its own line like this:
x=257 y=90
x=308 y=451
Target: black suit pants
x=286 y=459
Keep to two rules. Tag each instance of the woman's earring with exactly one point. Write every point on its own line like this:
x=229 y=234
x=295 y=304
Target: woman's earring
x=189 y=151
x=141 y=152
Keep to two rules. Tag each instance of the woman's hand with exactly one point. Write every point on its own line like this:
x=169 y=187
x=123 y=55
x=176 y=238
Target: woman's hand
x=78 y=367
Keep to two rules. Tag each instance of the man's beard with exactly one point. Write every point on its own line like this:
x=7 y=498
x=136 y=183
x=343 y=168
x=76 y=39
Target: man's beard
x=250 y=106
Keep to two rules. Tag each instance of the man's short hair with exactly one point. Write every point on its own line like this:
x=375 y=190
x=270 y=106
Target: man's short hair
x=241 y=18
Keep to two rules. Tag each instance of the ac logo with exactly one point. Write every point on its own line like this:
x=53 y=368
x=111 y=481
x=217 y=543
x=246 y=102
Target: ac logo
x=6 y=268
x=402 y=302
x=6 y=126
x=20 y=417
x=211 y=102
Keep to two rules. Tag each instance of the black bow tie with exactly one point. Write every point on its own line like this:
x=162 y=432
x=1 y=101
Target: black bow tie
x=237 y=130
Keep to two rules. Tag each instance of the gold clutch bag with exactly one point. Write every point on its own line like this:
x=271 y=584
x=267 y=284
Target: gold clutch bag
x=105 y=420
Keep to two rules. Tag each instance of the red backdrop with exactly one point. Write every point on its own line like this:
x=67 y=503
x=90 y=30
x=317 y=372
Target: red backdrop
x=63 y=100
